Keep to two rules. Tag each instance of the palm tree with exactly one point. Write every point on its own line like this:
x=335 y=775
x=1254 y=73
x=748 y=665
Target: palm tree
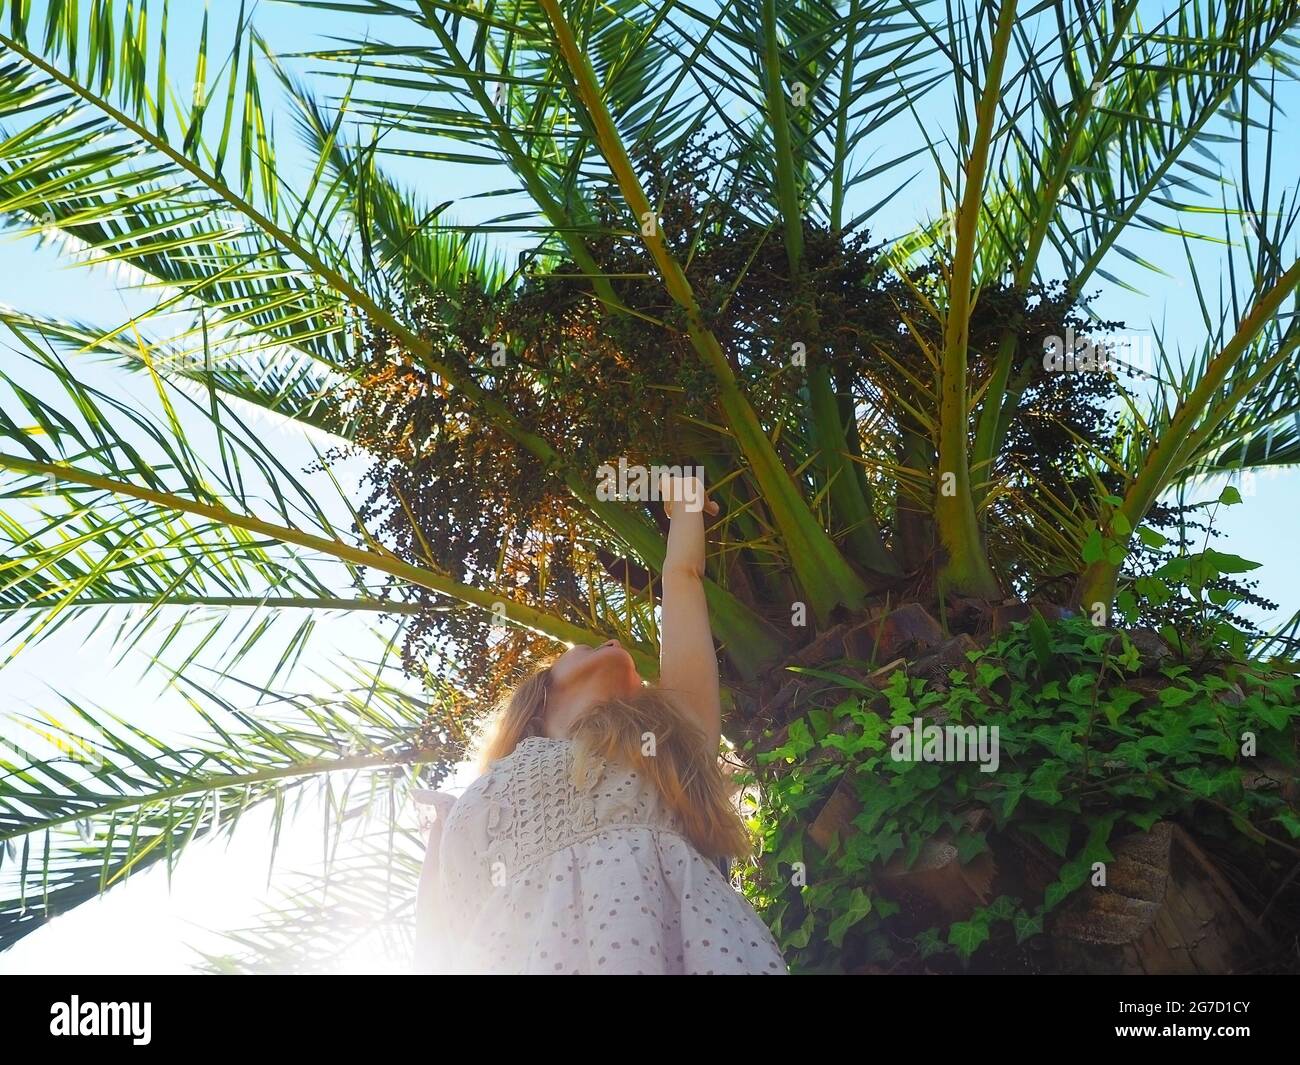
x=857 y=473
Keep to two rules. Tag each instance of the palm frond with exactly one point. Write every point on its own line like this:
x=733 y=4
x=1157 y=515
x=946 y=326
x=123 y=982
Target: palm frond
x=87 y=798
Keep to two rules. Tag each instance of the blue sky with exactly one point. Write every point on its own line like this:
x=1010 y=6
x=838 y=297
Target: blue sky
x=81 y=665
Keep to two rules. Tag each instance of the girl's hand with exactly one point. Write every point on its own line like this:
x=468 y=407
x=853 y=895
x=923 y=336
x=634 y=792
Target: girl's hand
x=688 y=490
x=432 y=808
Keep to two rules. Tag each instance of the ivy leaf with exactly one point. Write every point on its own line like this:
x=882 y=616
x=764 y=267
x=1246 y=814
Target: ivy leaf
x=1003 y=908
x=1229 y=496
x=1211 y=779
x=1014 y=788
x=854 y=908
x=929 y=943
x=1027 y=925
x=799 y=938
x=889 y=844
x=1118 y=702
x=878 y=803
x=1043 y=782
x=821 y=896
x=1275 y=716
x=1096 y=849
x=969 y=844
x=1055 y=835
x=1175 y=696
x=1144 y=821
x=792 y=850
x=1073 y=876
x=886 y=907
x=968 y=936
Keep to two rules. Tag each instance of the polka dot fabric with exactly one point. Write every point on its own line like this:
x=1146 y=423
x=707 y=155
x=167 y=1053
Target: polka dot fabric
x=537 y=875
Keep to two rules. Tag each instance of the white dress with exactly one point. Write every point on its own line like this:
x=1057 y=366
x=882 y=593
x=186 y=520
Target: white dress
x=536 y=876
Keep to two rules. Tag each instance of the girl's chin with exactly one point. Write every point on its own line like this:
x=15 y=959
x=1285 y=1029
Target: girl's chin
x=626 y=689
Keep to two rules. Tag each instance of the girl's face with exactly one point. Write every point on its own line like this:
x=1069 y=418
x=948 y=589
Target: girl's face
x=593 y=674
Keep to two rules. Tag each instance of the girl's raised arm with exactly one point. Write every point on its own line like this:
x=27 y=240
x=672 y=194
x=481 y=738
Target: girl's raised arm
x=688 y=664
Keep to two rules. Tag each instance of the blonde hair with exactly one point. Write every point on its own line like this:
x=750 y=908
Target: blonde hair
x=684 y=771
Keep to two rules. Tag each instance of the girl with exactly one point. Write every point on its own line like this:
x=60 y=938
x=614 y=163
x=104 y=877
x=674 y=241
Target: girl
x=588 y=844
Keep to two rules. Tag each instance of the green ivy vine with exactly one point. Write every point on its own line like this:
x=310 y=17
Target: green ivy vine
x=1093 y=740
